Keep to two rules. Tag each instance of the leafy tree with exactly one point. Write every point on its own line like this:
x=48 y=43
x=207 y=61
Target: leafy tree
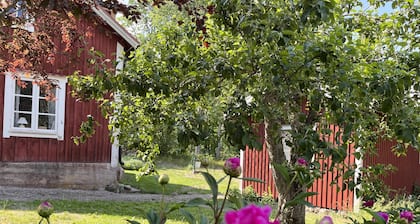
x=262 y=61
x=351 y=67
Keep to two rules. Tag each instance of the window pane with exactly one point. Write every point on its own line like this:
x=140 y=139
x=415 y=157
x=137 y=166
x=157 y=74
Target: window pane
x=46 y=106
x=46 y=122
x=23 y=103
x=42 y=92
x=23 y=87
x=22 y=120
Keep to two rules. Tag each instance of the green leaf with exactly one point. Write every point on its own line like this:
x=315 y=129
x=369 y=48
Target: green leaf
x=198 y=202
x=284 y=171
x=251 y=179
x=204 y=220
x=300 y=198
x=221 y=179
x=188 y=216
x=378 y=218
x=213 y=186
x=175 y=207
x=152 y=217
x=132 y=221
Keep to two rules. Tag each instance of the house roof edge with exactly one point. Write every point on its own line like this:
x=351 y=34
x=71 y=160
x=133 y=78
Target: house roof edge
x=121 y=31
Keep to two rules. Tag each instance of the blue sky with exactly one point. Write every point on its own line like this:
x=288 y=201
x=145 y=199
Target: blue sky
x=385 y=9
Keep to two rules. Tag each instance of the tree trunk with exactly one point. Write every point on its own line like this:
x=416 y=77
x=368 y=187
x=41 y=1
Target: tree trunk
x=275 y=148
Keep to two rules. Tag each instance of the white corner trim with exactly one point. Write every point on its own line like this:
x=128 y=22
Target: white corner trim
x=61 y=115
x=115 y=154
x=359 y=164
x=119 y=57
x=242 y=159
x=8 y=100
x=116 y=26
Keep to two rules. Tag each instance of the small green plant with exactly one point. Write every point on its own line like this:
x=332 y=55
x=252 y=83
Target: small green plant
x=250 y=195
x=160 y=216
x=205 y=160
x=4 y=204
x=267 y=198
x=416 y=190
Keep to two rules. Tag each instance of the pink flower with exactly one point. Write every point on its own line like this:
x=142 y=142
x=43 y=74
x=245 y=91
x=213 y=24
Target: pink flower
x=251 y=214
x=368 y=203
x=326 y=220
x=232 y=167
x=302 y=162
x=407 y=215
x=383 y=215
x=45 y=209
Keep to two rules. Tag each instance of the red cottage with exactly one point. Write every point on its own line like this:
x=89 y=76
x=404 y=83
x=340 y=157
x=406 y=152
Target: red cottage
x=36 y=146
x=256 y=164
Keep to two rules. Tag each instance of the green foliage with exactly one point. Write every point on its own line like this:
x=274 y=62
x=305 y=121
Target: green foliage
x=259 y=62
x=87 y=130
x=393 y=209
x=372 y=185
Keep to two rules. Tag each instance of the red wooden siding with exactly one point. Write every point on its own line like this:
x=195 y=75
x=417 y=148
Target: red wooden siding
x=256 y=165
x=97 y=148
x=408 y=173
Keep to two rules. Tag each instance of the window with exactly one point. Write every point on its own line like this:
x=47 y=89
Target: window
x=29 y=113
x=19 y=11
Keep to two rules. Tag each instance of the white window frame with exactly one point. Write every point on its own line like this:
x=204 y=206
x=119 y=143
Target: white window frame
x=9 y=103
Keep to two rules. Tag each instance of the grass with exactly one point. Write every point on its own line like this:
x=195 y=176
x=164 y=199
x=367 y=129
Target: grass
x=72 y=212
x=182 y=181
x=108 y=212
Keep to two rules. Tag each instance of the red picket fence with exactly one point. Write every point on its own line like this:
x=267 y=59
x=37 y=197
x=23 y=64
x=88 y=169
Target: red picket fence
x=256 y=164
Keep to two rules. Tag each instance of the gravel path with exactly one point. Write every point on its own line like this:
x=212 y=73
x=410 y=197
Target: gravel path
x=30 y=194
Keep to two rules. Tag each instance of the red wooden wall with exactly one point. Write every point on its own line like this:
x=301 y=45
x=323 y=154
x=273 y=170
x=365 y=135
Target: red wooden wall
x=408 y=167
x=257 y=165
x=97 y=148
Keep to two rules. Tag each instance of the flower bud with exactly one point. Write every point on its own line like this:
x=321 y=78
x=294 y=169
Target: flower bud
x=45 y=209
x=326 y=220
x=232 y=167
x=368 y=203
x=302 y=162
x=163 y=179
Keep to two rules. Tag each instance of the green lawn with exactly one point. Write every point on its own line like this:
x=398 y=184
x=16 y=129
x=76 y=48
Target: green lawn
x=182 y=181
x=104 y=212
x=66 y=212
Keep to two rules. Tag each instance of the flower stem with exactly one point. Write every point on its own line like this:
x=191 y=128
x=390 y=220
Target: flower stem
x=219 y=213
x=162 y=212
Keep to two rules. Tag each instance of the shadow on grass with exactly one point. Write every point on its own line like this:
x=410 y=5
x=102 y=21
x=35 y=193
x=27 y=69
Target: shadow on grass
x=149 y=184
x=112 y=208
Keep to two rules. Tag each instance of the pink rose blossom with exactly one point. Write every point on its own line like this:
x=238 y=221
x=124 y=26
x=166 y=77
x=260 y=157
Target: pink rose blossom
x=251 y=214
x=326 y=220
x=232 y=167
x=407 y=215
x=383 y=215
